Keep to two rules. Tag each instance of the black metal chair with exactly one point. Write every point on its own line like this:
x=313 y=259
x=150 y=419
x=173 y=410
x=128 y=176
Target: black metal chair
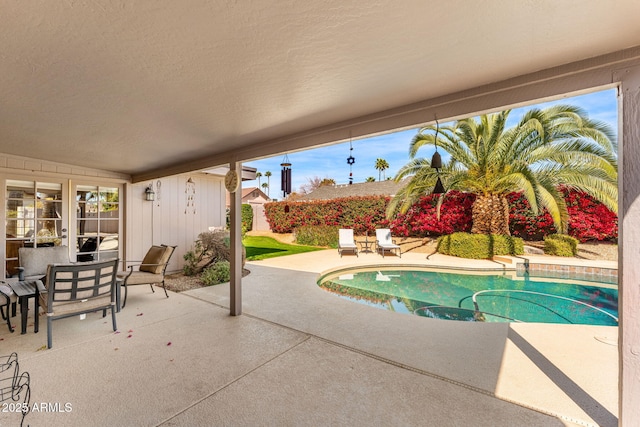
x=8 y=302
x=81 y=288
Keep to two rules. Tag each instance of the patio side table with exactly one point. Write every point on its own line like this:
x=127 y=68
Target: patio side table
x=25 y=290
x=365 y=246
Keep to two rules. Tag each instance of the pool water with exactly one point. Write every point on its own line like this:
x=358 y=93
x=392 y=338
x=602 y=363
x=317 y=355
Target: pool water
x=478 y=297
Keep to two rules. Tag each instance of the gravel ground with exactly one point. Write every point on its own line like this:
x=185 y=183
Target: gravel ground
x=178 y=282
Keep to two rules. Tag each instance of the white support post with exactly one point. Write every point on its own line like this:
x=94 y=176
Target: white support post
x=235 y=284
x=629 y=248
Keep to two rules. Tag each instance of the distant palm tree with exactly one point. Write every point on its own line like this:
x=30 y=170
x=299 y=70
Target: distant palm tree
x=258 y=175
x=327 y=181
x=549 y=148
x=381 y=166
x=370 y=179
x=268 y=175
x=266 y=188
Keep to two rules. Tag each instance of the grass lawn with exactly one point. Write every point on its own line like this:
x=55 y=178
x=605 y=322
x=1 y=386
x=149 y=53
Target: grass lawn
x=261 y=247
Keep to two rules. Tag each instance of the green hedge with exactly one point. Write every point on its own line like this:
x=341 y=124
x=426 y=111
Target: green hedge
x=247 y=218
x=479 y=246
x=319 y=235
x=560 y=245
x=363 y=214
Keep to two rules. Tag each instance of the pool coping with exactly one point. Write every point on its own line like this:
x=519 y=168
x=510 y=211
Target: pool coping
x=537 y=269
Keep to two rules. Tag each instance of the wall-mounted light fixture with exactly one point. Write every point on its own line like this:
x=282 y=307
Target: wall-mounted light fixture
x=149 y=194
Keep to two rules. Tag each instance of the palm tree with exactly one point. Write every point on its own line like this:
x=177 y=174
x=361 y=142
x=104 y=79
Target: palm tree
x=258 y=176
x=556 y=146
x=381 y=166
x=268 y=175
x=266 y=188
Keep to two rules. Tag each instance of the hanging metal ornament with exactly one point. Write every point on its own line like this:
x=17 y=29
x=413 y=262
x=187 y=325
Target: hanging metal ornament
x=436 y=163
x=285 y=176
x=350 y=161
x=190 y=196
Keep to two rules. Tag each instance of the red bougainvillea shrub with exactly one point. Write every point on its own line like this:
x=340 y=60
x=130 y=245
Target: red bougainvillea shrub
x=360 y=213
x=523 y=223
x=422 y=218
x=589 y=219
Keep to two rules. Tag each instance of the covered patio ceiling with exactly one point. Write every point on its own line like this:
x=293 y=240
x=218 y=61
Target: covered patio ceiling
x=154 y=88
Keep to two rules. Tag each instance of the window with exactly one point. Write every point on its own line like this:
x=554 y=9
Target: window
x=33 y=217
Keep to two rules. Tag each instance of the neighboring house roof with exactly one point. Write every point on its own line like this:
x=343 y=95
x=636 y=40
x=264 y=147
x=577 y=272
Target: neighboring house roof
x=377 y=188
x=251 y=195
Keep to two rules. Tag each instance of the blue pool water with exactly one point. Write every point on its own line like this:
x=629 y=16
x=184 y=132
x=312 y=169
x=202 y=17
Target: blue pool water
x=478 y=297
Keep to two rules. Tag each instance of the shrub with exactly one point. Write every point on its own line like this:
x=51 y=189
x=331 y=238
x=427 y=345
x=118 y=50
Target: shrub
x=479 y=246
x=320 y=235
x=588 y=219
x=422 y=218
x=363 y=214
x=247 y=218
x=220 y=272
x=560 y=245
x=211 y=247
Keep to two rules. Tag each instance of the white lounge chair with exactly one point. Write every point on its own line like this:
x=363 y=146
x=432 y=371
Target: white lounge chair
x=346 y=241
x=384 y=242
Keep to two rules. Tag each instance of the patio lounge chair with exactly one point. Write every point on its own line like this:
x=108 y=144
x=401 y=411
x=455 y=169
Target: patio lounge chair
x=384 y=242
x=80 y=288
x=150 y=271
x=346 y=241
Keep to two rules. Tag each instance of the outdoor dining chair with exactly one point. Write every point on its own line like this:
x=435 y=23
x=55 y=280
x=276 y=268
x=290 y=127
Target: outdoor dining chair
x=8 y=303
x=79 y=288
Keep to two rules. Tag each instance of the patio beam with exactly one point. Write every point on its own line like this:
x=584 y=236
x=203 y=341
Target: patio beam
x=235 y=284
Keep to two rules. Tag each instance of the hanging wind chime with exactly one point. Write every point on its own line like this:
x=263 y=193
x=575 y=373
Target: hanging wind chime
x=436 y=163
x=158 y=193
x=350 y=161
x=190 y=196
x=285 y=177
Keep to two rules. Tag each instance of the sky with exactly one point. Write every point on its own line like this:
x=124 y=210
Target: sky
x=331 y=161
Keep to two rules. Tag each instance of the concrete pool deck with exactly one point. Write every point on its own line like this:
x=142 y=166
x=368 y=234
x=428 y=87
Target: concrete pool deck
x=301 y=356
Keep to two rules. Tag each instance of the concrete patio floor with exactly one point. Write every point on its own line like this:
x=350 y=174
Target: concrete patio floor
x=301 y=356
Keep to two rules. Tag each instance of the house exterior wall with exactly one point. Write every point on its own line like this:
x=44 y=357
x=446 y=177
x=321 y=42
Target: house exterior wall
x=260 y=222
x=171 y=219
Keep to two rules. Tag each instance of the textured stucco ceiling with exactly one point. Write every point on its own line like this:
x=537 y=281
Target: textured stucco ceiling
x=139 y=86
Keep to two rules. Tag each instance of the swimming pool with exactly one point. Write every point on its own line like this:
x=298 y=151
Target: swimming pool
x=481 y=296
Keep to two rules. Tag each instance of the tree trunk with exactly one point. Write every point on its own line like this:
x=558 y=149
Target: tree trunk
x=490 y=215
